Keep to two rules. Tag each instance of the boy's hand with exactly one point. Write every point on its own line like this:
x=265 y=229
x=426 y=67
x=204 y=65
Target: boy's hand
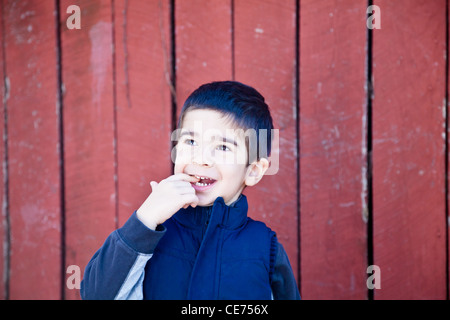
x=167 y=197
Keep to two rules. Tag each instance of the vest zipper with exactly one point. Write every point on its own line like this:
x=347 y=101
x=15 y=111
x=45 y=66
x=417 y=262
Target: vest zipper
x=205 y=226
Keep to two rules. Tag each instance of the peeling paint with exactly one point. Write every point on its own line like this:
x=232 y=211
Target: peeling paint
x=101 y=58
x=7 y=89
x=364 y=184
x=347 y=204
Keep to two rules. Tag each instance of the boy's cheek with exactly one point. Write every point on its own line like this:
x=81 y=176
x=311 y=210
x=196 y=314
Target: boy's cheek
x=180 y=156
x=175 y=171
x=179 y=166
x=242 y=157
x=237 y=158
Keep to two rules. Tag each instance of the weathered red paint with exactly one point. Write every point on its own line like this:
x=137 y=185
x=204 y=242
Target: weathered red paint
x=33 y=150
x=89 y=159
x=408 y=150
x=3 y=196
x=333 y=130
x=203 y=44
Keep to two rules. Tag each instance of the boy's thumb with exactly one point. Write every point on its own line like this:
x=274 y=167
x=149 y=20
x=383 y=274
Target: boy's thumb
x=153 y=184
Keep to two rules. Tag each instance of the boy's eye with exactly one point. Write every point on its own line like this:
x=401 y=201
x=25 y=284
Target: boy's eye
x=223 y=147
x=190 y=142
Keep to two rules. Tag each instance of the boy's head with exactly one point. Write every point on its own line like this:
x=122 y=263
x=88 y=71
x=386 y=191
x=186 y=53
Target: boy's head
x=224 y=137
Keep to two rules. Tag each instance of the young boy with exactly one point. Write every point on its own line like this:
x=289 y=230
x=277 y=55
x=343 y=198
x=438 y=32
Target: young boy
x=191 y=238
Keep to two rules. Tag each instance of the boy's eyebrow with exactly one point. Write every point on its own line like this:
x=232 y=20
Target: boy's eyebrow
x=194 y=134
x=231 y=141
x=187 y=133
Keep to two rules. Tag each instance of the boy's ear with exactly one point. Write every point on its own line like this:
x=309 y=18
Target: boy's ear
x=255 y=171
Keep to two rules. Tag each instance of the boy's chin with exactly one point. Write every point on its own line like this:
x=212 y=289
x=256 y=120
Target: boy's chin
x=205 y=201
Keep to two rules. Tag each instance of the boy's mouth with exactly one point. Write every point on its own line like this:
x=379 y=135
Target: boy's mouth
x=203 y=184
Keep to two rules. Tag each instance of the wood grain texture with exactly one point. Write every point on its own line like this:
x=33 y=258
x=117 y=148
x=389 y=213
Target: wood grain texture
x=4 y=255
x=447 y=110
x=89 y=154
x=203 y=44
x=264 y=33
x=33 y=150
x=143 y=99
x=333 y=194
x=408 y=150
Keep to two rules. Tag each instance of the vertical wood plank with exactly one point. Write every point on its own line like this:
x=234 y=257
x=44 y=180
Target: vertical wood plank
x=33 y=149
x=333 y=150
x=409 y=220
x=265 y=58
x=447 y=120
x=3 y=173
x=143 y=93
x=89 y=155
x=203 y=44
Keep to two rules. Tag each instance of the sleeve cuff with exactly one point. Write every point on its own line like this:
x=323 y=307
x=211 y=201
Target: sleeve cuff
x=140 y=238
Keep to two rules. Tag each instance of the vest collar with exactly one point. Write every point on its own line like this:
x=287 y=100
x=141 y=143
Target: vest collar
x=230 y=217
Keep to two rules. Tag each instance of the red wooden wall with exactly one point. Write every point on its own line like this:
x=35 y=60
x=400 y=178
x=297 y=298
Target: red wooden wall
x=86 y=117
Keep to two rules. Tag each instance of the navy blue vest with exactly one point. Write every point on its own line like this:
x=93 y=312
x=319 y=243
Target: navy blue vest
x=212 y=253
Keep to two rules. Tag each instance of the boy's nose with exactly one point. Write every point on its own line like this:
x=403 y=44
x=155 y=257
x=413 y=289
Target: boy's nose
x=203 y=158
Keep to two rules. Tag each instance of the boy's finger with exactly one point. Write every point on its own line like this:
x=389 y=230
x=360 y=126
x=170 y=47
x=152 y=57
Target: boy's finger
x=190 y=200
x=184 y=177
x=153 y=184
x=194 y=203
x=186 y=189
x=188 y=178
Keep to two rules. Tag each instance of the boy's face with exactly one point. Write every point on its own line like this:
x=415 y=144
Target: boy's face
x=210 y=147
